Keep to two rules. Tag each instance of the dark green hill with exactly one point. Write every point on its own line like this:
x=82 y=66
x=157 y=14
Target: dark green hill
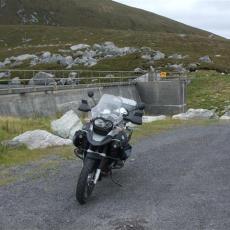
x=88 y=13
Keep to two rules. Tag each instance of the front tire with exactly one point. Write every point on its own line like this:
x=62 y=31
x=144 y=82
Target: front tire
x=85 y=183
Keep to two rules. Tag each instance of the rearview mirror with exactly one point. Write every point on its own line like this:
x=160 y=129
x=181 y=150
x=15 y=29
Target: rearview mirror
x=90 y=94
x=141 y=106
x=84 y=106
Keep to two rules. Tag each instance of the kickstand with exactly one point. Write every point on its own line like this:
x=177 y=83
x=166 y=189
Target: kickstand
x=111 y=176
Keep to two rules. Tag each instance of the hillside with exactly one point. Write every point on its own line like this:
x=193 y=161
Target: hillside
x=88 y=13
x=38 y=26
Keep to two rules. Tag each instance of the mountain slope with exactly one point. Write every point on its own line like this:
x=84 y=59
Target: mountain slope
x=88 y=13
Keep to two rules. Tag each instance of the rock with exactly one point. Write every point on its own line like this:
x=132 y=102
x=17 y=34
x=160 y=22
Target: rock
x=146 y=49
x=15 y=81
x=225 y=117
x=46 y=55
x=4 y=74
x=12 y=144
x=205 y=59
x=97 y=47
x=89 y=54
x=62 y=81
x=146 y=57
x=66 y=61
x=79 y=53
x=196 y=114
x=2 y=65
x=176 y=56
x=158 y=56
x=192 y=67
x=139 y=70
x=178 y=68
x=182 y=35
x=79 y=47
x=16 y=63
x=42 y=78
x=149 y=119
x=24 y=57
x=67 y=125
x=40 y=139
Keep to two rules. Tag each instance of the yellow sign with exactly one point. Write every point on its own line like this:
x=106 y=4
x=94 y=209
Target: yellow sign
x=163 y=74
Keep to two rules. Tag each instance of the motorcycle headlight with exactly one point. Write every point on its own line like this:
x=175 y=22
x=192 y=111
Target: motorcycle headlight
x=99 y=123
x=102 y=126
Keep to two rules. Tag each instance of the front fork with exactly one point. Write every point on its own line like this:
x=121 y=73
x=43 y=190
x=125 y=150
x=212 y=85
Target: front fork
x=102 y=165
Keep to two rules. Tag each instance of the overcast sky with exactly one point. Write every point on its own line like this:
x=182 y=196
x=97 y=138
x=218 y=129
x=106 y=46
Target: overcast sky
x=211 y=15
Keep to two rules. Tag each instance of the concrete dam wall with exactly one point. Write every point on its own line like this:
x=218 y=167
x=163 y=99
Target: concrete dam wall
x=161 y=97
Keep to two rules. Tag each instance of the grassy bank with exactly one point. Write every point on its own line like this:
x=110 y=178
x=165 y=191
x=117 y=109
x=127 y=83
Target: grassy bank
x=55 y=38
x=209 y=90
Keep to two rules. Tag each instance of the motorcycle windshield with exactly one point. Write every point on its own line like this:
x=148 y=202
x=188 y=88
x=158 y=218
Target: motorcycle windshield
x=109 y=108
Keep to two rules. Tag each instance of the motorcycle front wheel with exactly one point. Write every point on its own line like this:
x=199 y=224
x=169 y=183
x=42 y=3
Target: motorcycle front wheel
x=85 y=183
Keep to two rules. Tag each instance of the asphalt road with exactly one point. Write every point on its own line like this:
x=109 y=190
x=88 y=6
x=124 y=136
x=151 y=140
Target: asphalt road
x=178 y=180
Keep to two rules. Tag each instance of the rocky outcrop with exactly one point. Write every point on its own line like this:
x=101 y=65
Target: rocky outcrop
x=196 y=114
x=67 y=125
x=40 y=139
x=206 y=59
x=42 y=78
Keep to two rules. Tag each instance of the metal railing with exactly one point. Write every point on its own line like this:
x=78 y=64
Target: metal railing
x=71 y=79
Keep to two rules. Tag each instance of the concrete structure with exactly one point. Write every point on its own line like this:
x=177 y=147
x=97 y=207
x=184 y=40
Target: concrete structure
x=161 y=97
x=50 y=103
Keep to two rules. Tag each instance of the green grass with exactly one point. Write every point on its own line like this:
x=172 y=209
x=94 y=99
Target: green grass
x=209 y=90
x=22 y=155
x=193 y=45
x=11 y=127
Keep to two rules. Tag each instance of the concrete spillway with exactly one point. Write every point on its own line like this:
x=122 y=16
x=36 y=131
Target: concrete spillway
x=160 y=97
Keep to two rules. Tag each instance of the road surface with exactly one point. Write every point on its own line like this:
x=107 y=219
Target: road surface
x=177 y=180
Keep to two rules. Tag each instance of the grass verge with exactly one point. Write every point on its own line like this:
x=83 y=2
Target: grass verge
x=209 y=90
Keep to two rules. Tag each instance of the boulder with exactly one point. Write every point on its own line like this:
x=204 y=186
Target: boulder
x=4 y=74
x=196 y=114
x=46 y=55
x=205 y=59
x=2 y=65
x=178 y=68
x=146 y=49
x=149 y=119
x=25 y=57
x=62 y=81
x=15 y=81
x=97 y=47
x=139 y=70
x=67 y=125
x=158 y=56
x=146 y=57
x=79 y=47
x=192 y=67
x=42 y=78
x=225 y=117
x=66 y=61
x=40 y=139
x=176 y=56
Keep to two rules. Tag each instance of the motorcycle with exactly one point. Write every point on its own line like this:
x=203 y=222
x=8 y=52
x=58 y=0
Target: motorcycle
x=103 y=142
